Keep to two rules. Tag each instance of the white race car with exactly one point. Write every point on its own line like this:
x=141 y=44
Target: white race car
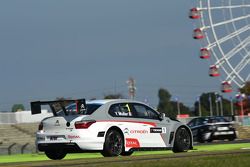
x=111 y=127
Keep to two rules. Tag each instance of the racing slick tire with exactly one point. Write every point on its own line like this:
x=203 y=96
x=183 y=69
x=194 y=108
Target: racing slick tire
x=182 y=140
x=55 y=154
x=113 y=144
x=127 y=153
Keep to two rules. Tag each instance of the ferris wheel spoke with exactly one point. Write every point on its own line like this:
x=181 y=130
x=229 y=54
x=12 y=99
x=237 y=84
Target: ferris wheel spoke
x=230 y=21
x=233 y=51
x=244 y=62
x=230 y=36
x=225 y=26
x=239 y=67
x=234 y=26
x=225 y=7
x=248 y=77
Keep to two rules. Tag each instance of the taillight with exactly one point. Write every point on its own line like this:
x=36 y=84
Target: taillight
x=40 y=127
x=84 y=124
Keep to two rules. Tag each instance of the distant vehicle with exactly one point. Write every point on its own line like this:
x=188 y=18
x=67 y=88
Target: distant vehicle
x=207 y=129
x=111 y=127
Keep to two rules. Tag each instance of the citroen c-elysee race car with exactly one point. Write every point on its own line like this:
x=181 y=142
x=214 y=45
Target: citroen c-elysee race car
x=111 y=127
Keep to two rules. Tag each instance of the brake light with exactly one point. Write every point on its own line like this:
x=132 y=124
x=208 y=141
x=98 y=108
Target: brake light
x=84 y=124
x=40 y=127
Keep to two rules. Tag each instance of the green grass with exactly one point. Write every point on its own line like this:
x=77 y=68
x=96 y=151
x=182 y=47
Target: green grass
x=42 y=157
x=241 y=160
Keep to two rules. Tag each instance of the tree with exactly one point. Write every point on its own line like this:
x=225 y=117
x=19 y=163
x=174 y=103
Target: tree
x=17 y=107
x=170 y=107
x=165 y=105
x=183 y=109
x=246 y=89
x=213 y=102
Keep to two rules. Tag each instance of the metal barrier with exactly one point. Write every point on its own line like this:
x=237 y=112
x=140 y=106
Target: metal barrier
x=15 y=148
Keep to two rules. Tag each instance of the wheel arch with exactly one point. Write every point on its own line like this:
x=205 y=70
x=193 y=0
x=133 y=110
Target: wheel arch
x=190 y=133
x=117 y=129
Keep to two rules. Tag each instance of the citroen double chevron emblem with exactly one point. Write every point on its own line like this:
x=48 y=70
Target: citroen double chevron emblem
x=57 y=123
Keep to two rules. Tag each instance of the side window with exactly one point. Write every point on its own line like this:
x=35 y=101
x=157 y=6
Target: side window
x=200 y=122
x=145 y=112
x=120 y=110
x=192 y=123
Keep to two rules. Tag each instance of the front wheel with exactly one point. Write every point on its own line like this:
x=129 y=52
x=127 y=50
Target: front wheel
x=113 y=145
x=55 y=154
x=182 y=140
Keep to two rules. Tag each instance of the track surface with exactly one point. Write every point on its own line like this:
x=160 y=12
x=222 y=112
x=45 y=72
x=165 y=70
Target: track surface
x=117 y=160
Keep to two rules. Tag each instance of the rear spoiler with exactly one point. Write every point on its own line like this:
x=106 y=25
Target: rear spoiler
x=36 y=105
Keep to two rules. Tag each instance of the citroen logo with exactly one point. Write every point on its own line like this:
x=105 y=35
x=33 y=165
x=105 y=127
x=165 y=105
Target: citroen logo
x=57 y=123
x=126 y=131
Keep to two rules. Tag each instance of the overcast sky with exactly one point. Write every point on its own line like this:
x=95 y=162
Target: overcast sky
x=88 y=48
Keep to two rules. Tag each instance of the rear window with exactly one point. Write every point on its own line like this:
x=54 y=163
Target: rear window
x=71 y=110
x=218 y=119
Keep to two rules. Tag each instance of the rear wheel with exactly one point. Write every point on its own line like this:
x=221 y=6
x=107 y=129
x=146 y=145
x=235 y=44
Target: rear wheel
x=232 y=138
x=113 y=145
x=55 y=154
x=127 y=153
x=182 y=140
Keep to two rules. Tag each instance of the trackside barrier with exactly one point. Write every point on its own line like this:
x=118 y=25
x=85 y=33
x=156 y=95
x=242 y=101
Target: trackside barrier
x=10 y=147
x=15 y=148
x=23 y=148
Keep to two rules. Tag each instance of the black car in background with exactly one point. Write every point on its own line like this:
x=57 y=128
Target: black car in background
x=207 y=129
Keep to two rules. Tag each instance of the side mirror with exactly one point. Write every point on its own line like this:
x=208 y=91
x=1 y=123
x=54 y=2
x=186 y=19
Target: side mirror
x=161 y=116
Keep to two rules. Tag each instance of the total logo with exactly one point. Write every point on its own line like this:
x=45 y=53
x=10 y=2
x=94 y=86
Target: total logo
x=131 y=142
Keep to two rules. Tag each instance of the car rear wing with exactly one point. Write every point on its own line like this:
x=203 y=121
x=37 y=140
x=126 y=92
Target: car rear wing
x=36 y=105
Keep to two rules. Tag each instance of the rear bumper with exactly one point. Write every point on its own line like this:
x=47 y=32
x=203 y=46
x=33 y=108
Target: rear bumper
x=76 y=143
x=67 y=147
x=219 y=135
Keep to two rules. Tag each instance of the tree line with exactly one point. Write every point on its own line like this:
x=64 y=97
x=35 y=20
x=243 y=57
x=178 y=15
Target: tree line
x=206 y=104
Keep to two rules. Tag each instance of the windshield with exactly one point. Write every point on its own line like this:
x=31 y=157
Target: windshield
x=71 y=110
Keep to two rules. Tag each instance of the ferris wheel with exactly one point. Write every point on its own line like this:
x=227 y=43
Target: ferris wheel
x=223 y=27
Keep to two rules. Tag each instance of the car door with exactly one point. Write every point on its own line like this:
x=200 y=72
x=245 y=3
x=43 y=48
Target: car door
x=158 y=130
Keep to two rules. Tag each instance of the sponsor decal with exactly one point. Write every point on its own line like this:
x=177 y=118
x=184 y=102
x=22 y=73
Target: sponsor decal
x=155 y=130
x=138 y=131
x=158 y=130
x=132 y=142
x=134 y=131
x=73 y=136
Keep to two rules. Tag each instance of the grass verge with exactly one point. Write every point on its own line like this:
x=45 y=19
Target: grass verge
x=42 y=157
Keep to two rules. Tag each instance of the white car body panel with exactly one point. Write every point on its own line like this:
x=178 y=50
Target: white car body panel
x=138 y=132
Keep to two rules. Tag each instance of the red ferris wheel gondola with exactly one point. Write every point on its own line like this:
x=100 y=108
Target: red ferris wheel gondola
x=226 y=87
x=194 y=13
x=198 y=33
x=204 y=53
x=214 y=71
